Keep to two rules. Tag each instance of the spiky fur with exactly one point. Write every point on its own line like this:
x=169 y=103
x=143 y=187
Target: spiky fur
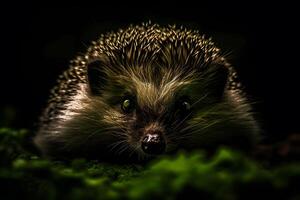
x=155 y=64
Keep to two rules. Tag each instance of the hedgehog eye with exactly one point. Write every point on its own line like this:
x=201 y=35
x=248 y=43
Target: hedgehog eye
x=185 y=106
x=127 y=105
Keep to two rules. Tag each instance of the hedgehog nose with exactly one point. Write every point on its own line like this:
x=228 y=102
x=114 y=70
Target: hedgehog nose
x=153 y=143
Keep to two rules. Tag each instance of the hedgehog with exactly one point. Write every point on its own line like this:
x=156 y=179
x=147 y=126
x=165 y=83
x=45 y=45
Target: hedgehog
x=146 y=91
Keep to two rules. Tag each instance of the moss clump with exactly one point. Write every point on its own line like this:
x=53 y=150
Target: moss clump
x=228 y=175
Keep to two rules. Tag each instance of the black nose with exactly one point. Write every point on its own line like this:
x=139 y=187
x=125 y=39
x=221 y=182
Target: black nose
x=153 y=143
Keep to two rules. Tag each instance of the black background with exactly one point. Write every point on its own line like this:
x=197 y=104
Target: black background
x=39 y=40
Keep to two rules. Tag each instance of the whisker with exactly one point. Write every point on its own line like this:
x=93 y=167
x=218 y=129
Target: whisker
x=122 y=149
x=200 y=99
x=115 y=144
x=181 y=122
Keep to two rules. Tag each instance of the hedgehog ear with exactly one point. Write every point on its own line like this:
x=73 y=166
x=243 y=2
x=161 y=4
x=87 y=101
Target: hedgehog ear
x=96 y=77
x=218 y=79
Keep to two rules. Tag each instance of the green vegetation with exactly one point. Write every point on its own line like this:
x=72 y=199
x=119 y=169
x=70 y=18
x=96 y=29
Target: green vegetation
x=227 y=175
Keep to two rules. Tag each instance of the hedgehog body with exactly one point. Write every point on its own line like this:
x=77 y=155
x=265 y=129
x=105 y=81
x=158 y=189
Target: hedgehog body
x=144 y=91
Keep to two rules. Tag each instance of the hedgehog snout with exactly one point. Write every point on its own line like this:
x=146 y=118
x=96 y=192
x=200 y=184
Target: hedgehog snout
x=153 y=142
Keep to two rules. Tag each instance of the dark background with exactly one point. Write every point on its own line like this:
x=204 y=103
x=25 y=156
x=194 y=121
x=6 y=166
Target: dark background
x=39 y=41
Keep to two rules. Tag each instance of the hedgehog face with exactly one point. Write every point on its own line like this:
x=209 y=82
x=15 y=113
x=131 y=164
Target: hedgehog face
x=151 y=109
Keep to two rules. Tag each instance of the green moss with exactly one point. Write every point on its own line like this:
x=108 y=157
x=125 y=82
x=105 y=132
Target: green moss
x=227 y=175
